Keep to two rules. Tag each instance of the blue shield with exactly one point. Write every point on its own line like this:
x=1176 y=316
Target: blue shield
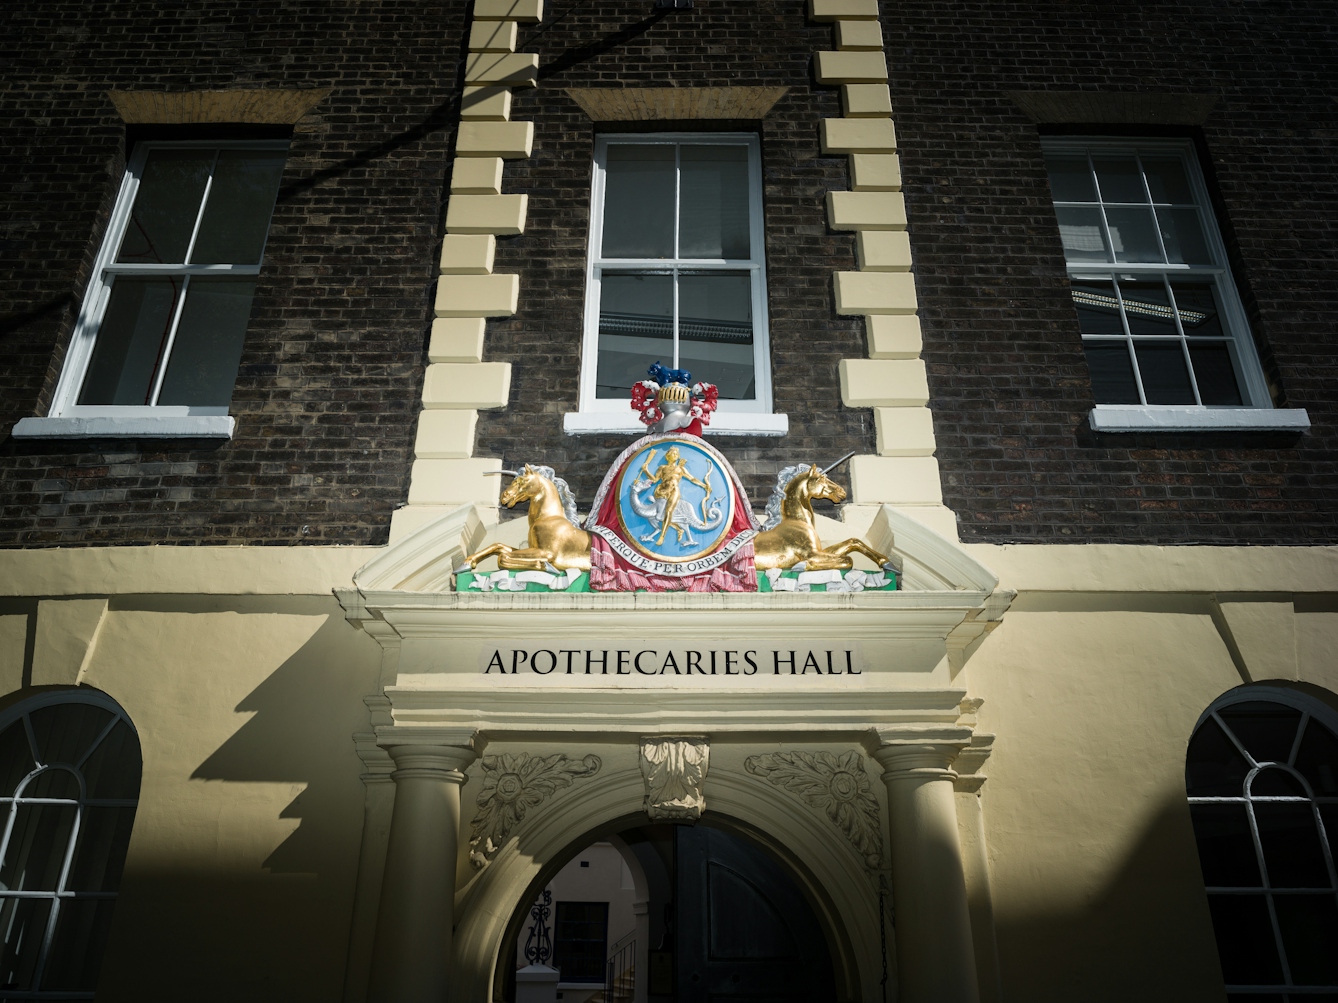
x=675 y=501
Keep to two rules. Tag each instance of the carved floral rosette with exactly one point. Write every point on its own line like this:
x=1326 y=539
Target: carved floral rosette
x=837 y=785
x=512 y=785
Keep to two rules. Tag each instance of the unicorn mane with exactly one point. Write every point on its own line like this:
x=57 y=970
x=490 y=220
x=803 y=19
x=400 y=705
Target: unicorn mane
x=564 y=491
x=772 y=517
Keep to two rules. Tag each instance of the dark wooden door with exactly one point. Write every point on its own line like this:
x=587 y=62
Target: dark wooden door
x=744 y=931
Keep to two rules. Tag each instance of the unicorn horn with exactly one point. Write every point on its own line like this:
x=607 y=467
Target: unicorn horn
x=511 y=473
x=839 y=462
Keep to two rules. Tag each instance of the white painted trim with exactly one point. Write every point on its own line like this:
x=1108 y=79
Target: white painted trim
x=138 y=427
x=1145 y=418
x=722 y=423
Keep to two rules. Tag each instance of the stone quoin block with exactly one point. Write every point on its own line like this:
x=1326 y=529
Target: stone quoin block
x=491 y=104
x=834 y=10
x=456 y=339
x=858 y=135
x=895 y=480
x=866 y=101
x=504 y=10
x=515 y=69
x=477 y=175
x=477 y=295
x=850 y=67
x=859 y=35
x=492 y=36
x=467 y=253
x=875 y=172
x=866 y=210
x=883 y=250
x=455 y=482
x=893 y=336
x=461 y=385
x=884 y=383
x=445 y=433
x=503 y=215
x=903 y=431
x=495 y=139
x=874 y=292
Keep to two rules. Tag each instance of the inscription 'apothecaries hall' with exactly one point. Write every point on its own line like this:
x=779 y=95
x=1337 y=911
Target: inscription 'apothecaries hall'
x=670 y=662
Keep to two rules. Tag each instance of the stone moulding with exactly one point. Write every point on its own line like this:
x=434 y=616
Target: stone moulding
x=512 y=785
x=651 y=104
x=836 y=785
x=674 y=770
x=252 y=106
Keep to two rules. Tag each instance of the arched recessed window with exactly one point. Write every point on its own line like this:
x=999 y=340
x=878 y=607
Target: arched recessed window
x=1262 y=779
x=69 y=785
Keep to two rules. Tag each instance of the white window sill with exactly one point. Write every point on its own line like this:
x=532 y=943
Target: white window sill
x=1144 y=418
x=722 y=423
x=195 y=426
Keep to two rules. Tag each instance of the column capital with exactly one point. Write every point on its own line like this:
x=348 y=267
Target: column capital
x=918 y=751
x=430 y=753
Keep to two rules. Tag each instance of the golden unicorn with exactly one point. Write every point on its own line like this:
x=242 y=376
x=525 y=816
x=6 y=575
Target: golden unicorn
x=555 y=539
x=790 y=535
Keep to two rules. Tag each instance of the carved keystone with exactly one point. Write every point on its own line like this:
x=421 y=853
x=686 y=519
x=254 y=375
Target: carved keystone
x=674 y=770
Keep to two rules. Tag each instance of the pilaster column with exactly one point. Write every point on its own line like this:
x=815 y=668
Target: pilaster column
x=935 y=957
x=411 y=961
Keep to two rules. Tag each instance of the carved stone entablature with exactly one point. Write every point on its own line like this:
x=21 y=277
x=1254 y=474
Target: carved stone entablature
x=836 y=785
x=512 y=785
x=674 y=770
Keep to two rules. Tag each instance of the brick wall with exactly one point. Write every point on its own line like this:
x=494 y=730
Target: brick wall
x=327 y=397
x=1009 y=384
x=714 y=45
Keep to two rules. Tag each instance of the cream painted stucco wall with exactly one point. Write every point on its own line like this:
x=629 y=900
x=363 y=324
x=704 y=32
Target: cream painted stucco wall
x=246 y=684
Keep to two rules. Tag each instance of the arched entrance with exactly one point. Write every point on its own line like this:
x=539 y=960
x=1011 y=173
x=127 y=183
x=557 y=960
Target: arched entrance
x=673 y=912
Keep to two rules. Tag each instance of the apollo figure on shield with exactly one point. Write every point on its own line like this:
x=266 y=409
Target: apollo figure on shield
x=669 y=505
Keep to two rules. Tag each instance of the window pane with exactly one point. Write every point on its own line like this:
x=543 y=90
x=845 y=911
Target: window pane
x=713 y=191
x=715 y=331
x=1080 y=230
x=1197 y=303
x=37 y=843
x=1119 y=178
x=638 y=201
x=1148 y=307
x=636 y=318
x=76 y=950
x=1166 y=179
x=133 y=332
x=1245 y=942
x=1182 y=234
x=1134 y=235
x=1070 y=179
x=23 y=922
x=1317 y=759
x=208 y=345
x=1165 y=377
x=1276 y=783
x=1098 y=309
x=241 y=200
x=1112 y=372
x=16 y=758
x=580 y=936
x=1267 y=730
x=104 y=836
x=64 y=732
x=165 y=207
x=1290 y=840
x=1309 y=925
x=1214 y=766
x=1214 y=372
x=113 y=769
x=1226 y=847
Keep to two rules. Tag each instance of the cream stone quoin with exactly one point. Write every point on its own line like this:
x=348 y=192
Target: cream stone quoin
x=839 y=689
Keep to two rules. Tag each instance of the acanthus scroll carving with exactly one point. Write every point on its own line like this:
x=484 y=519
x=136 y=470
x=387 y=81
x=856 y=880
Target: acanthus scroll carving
x=838 y=785
x=512 y=785
x=674 y=770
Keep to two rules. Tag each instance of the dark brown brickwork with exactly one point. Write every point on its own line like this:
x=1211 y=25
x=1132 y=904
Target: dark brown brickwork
x=327 y=398
x=1009 y=385
x=715 y=45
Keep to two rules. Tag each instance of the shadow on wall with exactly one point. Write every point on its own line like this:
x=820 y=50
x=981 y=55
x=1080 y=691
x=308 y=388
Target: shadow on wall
x=243 y=863
x=1145 y=935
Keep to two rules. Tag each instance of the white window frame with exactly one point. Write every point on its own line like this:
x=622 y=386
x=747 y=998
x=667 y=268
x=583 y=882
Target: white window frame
x=69 y=419
x=1257 y=411
x=754 y=417
x=1309 y=709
